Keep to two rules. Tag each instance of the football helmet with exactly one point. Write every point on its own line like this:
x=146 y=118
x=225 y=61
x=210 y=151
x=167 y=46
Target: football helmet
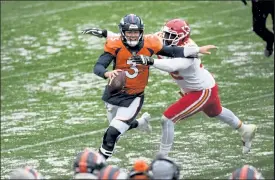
x=175 y=32
x=88 y=161
x=246 y=172
x=140 y=170
x=25 y=173
x=111 y=172
x=164 y=168
x=131 y=22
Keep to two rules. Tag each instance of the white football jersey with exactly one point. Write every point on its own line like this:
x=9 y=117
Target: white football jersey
x=194 y=77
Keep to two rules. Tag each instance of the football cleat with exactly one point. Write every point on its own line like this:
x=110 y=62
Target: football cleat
x=268 y=49
x=247 y=136
x=144 y=124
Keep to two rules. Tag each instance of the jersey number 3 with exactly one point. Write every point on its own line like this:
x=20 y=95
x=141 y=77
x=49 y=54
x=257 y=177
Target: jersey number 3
x=134 y=67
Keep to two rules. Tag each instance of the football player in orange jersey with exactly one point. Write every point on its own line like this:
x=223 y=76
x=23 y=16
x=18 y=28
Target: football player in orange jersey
x=192 y=78
x=123 y=107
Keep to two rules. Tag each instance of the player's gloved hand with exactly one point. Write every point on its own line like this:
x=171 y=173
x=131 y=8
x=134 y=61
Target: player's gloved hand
x=96 y=32
x=141 y=59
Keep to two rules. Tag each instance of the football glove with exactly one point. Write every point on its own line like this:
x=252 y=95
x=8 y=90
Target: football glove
x=140 y=59
x=96 y=32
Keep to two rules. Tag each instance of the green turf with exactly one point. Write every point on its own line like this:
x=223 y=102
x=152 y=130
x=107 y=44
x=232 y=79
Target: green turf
x=51 y=104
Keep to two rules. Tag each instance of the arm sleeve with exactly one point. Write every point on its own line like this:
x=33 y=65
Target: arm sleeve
x=102 y=63
x=110 y=33
x=175 y=51
x=172 y=65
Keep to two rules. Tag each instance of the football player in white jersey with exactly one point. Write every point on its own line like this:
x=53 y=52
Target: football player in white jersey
x=198 y=87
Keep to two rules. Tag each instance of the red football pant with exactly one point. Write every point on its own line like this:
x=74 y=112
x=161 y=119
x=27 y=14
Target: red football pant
x=206 y=100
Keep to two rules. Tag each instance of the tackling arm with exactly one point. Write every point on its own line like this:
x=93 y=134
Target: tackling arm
x=172 y=65
x=175 y=51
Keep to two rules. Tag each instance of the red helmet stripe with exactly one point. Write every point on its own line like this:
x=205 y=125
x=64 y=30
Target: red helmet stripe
x=107 y=172
x=83 y=162
x=243 y=173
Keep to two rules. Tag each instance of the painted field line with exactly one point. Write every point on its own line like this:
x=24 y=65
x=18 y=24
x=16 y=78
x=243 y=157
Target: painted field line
x=232 y=10
x=101 y=130
x=53 y=141
x=43 y=13
x=84 y=62
x=45 y=70
x=250 y=99
x=224 y=35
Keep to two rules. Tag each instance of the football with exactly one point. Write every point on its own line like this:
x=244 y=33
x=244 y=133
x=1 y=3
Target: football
x=117 y=83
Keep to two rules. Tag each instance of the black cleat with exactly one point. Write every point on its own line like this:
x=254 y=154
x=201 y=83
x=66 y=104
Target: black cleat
x=268 y=49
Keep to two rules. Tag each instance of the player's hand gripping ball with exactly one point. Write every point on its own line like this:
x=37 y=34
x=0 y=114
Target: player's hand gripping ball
x=117 y=83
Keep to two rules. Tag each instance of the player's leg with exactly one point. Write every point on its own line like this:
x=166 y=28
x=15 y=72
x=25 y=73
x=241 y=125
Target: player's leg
x=214 y=109
x=111 y=111
x=141 y=123
x=188 y=105
x=259 y=12
x=119 y=125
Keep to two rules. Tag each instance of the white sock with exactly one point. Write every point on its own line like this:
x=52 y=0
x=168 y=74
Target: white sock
x=229 y=118
x=167 y=137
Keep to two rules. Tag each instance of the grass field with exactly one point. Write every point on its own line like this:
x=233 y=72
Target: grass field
x=51 y=104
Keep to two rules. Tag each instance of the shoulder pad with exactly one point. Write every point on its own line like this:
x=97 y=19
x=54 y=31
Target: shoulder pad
x=112 y=43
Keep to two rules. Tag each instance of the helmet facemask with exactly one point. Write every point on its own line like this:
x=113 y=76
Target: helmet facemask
x=131 y=28
x=170 y=37
x=132 y=37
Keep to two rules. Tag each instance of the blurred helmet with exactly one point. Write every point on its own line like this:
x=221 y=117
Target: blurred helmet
x=246 y=172
x=85 y=176
x=88 y=161
x=175 y=32
x=164 y=168
x=111 y=172
x=25 y=173
x=131 y=22
x=140 y=170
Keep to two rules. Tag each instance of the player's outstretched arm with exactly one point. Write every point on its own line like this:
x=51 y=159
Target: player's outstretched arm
x=206 y=49
x=99 y=32
x=96 y=32
x=188 y=51
x=168 y=65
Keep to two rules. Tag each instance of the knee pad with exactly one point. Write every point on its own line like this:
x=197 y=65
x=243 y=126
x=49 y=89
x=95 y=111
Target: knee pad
x=110 y=138
x=119 y=125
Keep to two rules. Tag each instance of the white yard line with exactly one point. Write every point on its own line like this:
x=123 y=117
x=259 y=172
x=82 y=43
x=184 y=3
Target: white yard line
x=84 y=62
x=79 y=6
x=45 y=70
x=232 y=10
x=224 y=35
x=101 y=130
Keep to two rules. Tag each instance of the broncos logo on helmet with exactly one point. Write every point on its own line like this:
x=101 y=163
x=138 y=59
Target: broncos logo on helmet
x=88 y=161
x=246 y=172
x=175 y=32
x=111 y=172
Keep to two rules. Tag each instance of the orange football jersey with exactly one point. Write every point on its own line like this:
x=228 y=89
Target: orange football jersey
x=136 y=75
